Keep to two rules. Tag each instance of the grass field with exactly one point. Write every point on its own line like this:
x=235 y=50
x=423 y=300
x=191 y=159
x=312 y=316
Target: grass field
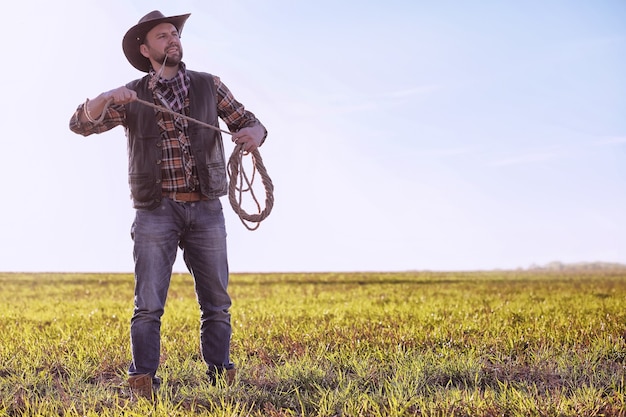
x=359 y=344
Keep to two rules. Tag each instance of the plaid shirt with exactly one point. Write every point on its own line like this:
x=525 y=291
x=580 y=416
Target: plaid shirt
x=178 y=165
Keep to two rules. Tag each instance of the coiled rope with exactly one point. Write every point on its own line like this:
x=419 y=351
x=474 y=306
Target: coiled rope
x=239 y=182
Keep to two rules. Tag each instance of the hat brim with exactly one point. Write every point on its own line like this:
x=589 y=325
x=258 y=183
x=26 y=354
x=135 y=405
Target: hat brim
x=136 y=35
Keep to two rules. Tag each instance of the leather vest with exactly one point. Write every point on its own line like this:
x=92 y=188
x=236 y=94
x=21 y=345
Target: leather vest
x=145 y=143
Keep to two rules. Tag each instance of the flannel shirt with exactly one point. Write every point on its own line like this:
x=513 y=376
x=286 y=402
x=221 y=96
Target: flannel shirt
x=178 y=168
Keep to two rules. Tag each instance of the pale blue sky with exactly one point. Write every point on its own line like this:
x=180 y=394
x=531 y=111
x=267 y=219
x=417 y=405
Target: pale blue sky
x=404 y=135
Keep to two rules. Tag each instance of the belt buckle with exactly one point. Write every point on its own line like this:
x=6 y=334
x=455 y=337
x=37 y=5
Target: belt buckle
x=190 y=197
x=173 y=196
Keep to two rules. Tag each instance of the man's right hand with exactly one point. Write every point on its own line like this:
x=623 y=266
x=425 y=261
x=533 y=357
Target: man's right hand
x=95 y=107
x=120 y=95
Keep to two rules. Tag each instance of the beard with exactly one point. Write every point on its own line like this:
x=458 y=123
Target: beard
x=172 y=60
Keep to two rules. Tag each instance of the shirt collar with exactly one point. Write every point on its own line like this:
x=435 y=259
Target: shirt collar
x=161 y=82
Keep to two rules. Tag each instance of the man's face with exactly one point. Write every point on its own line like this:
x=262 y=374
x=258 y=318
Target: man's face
x=162 y=40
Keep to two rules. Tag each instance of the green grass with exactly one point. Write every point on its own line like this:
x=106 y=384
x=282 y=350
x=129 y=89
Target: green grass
x=359 y=344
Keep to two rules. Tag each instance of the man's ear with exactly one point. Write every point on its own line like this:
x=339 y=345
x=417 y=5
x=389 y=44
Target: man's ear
x=144 y=50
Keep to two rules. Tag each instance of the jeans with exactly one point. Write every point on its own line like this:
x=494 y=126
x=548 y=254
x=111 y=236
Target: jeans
x=199 y=229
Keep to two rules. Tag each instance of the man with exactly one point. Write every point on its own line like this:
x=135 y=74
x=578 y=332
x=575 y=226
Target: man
x=177 y=173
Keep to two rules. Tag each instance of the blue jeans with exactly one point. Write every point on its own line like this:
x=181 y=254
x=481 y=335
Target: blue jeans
x=199 y=229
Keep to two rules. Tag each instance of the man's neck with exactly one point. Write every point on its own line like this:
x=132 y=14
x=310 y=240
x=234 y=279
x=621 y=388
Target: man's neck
x=168 y=72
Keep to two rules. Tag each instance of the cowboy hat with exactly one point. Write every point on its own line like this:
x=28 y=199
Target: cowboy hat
x=136 y=35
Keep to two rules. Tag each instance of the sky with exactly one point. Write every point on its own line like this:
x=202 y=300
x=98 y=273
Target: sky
x=403 y=135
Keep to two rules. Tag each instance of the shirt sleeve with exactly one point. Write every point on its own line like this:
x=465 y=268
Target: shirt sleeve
x=115 y=116
x=232 y=112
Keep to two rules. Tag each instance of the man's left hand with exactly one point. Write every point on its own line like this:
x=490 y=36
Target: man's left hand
x=249 y=138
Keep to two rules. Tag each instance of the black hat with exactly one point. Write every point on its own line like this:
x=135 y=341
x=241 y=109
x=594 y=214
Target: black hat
x=136 y=35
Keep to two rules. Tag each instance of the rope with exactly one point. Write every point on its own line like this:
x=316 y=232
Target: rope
x=238 y=180
x=182 y=116
x=236 y=189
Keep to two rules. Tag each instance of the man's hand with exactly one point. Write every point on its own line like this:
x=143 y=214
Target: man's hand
x=95 y=107
x=250 y=138
x=120 y=95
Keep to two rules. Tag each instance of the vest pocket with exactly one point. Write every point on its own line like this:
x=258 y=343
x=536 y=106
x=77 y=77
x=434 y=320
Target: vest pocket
x=142 y=187
x=217 y=179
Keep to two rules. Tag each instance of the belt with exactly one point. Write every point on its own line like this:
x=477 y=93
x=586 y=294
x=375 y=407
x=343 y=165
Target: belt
x=185 y=197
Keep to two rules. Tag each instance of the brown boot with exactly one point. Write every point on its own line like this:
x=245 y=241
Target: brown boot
x=230 y=376
x=222 y=376
x=140 y=386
